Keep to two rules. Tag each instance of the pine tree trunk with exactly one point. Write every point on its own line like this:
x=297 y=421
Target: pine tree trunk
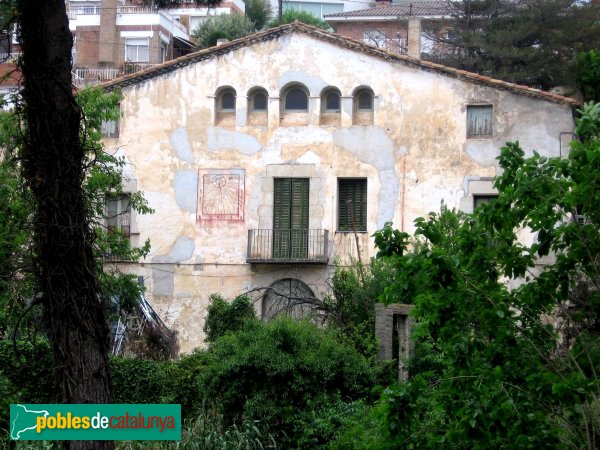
x=53 y=159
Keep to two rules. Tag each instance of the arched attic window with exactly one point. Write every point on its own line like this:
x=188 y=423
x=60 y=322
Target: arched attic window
x=363 y=103
x=294 y=110
x=225 y=102
x=258 y=104
x=331 y=99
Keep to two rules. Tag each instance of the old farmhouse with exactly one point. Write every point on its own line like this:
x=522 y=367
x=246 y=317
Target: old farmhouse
x=269 y=157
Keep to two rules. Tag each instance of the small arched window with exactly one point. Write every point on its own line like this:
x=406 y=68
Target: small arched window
x=330 y=107
x=258 y=101
x=296 y=100
x=364 y=100
x=226 y=100
x=330 y=100
x=363 y=106
x=258 y=104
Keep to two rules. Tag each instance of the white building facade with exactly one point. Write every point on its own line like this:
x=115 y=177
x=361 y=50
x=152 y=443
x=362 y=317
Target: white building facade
x=268 y=158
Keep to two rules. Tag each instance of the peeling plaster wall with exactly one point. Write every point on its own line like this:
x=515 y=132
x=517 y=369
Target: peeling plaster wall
x=414 y=155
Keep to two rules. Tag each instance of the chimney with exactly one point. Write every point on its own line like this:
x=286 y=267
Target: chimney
x=380 y=3
x=108 y=33
x=222 y=41
x=414 y=37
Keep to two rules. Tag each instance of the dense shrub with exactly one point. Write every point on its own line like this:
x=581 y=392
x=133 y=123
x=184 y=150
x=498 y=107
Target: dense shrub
x=225 y=317
x=273 y=371
x=25 y=375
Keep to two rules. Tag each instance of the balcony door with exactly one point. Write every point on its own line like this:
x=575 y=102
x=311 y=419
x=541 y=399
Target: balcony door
x=290 y=218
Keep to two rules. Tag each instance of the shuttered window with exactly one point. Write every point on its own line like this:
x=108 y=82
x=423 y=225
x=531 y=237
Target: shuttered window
x=290 y=218
x=352 y=204
x=479 y=120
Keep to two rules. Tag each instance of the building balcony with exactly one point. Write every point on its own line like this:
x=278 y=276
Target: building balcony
x=85 y=77
x=288 y=246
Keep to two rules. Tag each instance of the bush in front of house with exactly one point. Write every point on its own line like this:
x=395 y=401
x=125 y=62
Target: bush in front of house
x=277 y=371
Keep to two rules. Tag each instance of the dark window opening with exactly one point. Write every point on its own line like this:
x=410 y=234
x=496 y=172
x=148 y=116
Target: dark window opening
x=296 y=100
x=479 y=200
x=365 y=101
x=227 y=102
x=259 y=102
x=332 y=102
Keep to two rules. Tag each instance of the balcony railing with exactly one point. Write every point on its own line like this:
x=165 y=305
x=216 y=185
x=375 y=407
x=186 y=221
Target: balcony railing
x=84 y=77
x=288 y=246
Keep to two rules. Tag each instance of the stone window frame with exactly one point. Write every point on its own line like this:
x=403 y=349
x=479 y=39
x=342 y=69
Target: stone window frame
x=316 y=202
x=475 y=186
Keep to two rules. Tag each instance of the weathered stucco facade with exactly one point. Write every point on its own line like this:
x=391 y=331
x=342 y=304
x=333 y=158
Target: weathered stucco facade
x=209 y=170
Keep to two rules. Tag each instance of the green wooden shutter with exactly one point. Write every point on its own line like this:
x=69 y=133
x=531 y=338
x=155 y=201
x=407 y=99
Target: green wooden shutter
x=299 y=218
x=282 y=192
x=290 y=218
x=352 y=200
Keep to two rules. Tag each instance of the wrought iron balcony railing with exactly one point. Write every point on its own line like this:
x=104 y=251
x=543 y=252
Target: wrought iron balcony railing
x=288 y=246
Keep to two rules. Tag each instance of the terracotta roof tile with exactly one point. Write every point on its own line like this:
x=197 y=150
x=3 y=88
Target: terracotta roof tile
x=405 y=9
x=333 y=38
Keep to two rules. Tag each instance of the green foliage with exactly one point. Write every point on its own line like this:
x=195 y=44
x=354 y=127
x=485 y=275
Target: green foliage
x=527 y=42
x=490 y=372
x=103 y=178
x=390 y=241
x=25 y=375
x=342 y=425
x=15 y=255
x=208 y=432
x=273 y=371
x=292 y=15
x=351 y=307
x=258 y=11
x=587 y=72
x=223 y=26
x=224 y=317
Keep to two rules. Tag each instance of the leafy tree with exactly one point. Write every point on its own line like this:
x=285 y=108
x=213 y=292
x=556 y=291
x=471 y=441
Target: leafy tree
x=526 y=42
x=53 y=163
x=16 y=282
x=292 y=15
x=226 y=317
x=223 y=26
x=258 y=11
x=587 y=65
x=491 y=371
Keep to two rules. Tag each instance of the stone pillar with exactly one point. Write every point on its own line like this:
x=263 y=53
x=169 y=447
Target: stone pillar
x=393 y=328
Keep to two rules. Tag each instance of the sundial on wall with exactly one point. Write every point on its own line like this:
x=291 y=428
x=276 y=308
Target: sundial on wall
x=220 y=195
